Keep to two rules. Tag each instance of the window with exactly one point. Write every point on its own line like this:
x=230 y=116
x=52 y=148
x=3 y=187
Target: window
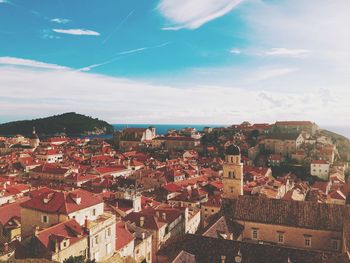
x=96 y=240
x=255 y=234
x=307 y=241
x=280 y=237
x=335 y=244
x=232 y=189
x=231 y=175
x=64 y=243
x=212 y=210
x=94 y=212
x=45 y=219
x=108 y=232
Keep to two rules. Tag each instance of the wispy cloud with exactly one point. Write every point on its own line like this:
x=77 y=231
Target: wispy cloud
x=4 y=1
x=192 y=14
x=287 y=52
x=60 y=20
x=81 y=32
x=13 y=61
x=269 y=73
x=235 y=51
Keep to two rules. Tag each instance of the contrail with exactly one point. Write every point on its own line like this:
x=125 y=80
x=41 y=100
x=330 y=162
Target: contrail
x=117 y=27
x=119 y=56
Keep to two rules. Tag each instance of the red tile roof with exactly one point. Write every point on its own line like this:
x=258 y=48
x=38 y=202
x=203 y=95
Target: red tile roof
x=67 y=230
x=62 y=202
x=123 y=235
x=9 y=211
x=50 y=168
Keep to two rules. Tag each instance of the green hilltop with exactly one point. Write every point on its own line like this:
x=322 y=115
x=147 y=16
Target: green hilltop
x=69 y=123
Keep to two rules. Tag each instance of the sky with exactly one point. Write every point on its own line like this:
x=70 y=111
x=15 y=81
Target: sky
x=173 y=61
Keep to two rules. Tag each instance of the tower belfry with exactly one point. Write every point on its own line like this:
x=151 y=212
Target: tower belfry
x=232 y=173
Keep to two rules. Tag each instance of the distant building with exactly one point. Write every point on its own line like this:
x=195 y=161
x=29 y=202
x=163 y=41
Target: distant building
x=133 y=137
x=175 y=142
x=283 y=143
x=295 y=127
x=320 y=168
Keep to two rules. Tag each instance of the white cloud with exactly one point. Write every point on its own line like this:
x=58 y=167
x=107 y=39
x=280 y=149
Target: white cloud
x=192 y=14
x=77 y=32
x=235 y=51
x=4 y=1
x=28 y=63
x=272 y=73
x=285 y=52
x=316 y=26
x=36 y=93
x=60 y=20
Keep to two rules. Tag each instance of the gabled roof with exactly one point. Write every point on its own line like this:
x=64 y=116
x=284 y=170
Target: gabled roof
x=153 y=218
x=62 y=202
x=67 y=230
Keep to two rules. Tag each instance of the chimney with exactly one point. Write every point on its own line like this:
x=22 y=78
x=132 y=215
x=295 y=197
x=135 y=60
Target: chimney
x=143 y=235
x=164 y=216
x=86 y=222
x=142 y=221
x=36 y=230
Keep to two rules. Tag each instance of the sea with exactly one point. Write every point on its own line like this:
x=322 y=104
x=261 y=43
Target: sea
x=163 y=128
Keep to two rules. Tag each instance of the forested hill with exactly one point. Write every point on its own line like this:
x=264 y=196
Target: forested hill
x=69 y=123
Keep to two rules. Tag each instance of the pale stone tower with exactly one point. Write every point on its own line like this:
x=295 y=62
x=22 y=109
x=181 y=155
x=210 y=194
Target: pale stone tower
x=34 y=140
x=233 y=173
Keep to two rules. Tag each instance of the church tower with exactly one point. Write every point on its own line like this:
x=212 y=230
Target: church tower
x=233 y=173
x=34 y=140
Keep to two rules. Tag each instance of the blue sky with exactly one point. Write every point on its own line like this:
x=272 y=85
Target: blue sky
x=171 y=61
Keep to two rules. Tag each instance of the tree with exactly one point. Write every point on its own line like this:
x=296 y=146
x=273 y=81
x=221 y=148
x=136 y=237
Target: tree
x=78 y=259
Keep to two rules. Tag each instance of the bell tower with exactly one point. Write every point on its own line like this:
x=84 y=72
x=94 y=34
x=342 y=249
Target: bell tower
x=34 y=140
x=233 y=173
